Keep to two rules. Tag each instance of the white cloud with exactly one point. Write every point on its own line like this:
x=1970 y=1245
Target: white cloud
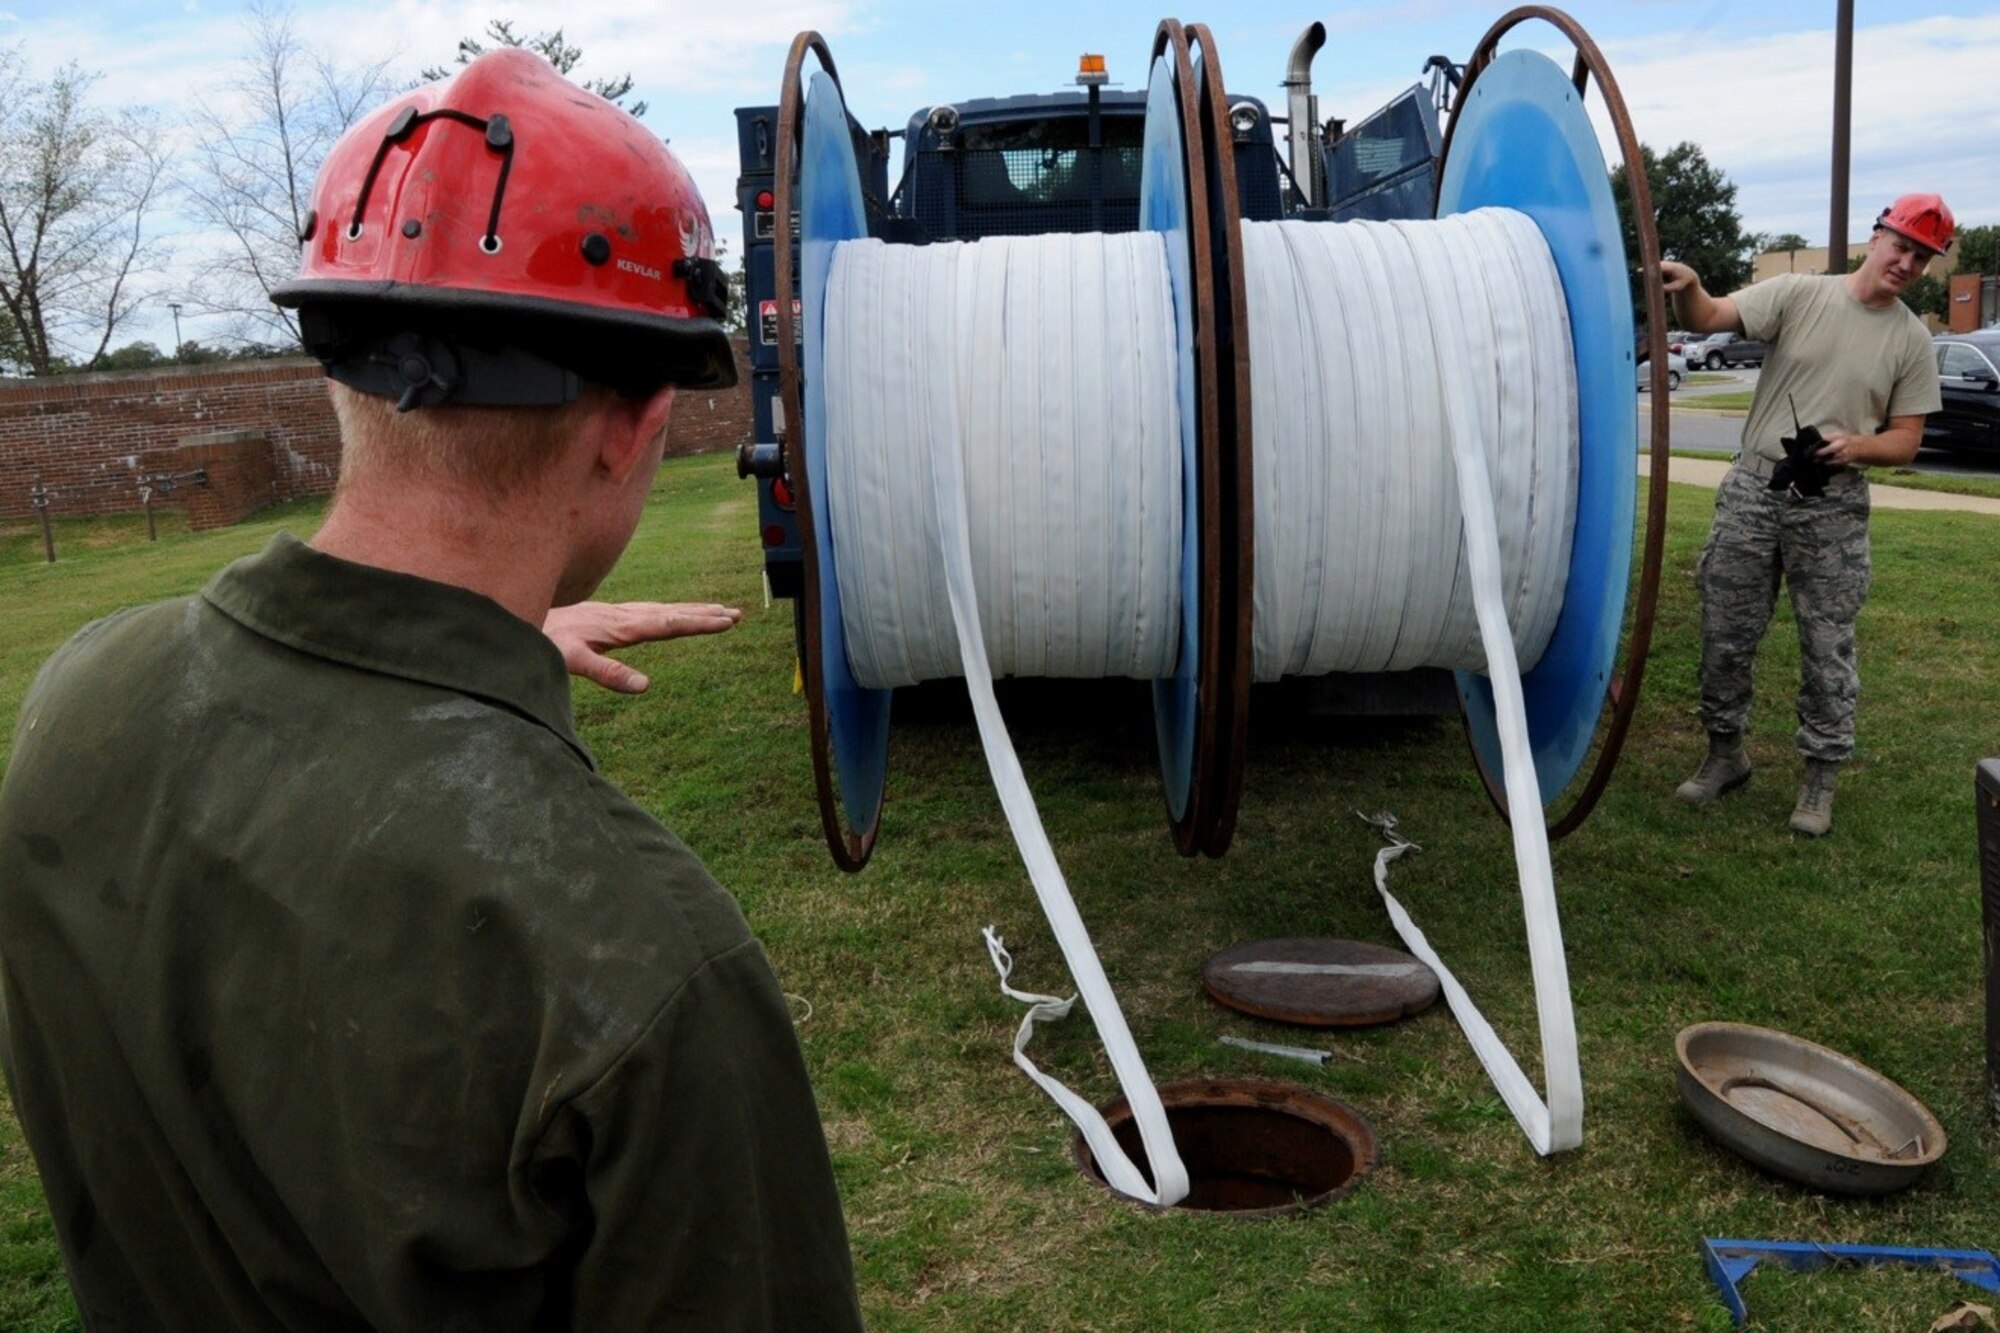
x=1762 y=111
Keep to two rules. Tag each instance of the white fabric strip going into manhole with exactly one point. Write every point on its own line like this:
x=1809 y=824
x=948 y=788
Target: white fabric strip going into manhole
x=960 y=387
x=1376 y=348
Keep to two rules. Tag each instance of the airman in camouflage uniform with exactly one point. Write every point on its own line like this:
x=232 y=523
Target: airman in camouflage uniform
x=1819 y=547
x=1849 y=360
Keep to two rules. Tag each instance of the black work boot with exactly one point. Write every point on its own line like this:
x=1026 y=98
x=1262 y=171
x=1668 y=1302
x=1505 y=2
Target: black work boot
x=1813 y=815
x=1725 y=769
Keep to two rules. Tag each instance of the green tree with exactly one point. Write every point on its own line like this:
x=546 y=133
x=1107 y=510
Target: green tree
x=1979 y=250
x=1694 y=211
x=194 y=353
x=1783 y=243
x=551 y=47
x=132 y=356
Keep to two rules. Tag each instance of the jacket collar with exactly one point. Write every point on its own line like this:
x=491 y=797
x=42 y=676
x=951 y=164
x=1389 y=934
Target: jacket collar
x=398 y=625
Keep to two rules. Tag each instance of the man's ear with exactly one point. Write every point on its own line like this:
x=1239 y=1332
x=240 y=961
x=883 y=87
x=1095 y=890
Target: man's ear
x=630 y=427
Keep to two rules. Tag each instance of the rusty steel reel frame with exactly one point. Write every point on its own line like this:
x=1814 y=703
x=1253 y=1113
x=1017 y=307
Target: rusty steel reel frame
x=850 y=846
x=1227 y=418
x=1622 y=697
x=1223 y=669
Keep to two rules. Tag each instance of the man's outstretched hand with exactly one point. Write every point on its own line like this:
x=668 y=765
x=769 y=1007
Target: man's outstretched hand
x=587 y=631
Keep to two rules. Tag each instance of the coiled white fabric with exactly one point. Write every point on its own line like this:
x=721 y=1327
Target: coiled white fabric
x=1360 y=551
x=1047 y=362
x=1004 y=497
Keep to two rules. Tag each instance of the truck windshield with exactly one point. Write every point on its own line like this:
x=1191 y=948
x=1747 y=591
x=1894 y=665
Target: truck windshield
x=1049 y=162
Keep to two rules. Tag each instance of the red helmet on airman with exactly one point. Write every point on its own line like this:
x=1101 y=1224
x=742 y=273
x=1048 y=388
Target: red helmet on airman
x=1921 y=218
x=496 y=238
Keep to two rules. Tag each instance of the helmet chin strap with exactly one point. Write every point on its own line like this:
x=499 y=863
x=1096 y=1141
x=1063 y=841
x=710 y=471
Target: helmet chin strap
x=425 y=370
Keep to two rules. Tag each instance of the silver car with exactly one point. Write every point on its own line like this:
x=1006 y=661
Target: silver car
x=1676 y=367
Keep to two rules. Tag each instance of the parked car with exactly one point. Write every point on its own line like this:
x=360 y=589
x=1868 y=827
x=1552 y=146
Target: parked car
x=1676 y=367
x=1678 y=339
x=1969 y=380
x=1725 y=349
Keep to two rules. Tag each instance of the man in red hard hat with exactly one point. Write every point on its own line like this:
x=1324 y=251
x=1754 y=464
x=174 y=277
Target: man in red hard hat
x=341 y=992
x=1847 y=385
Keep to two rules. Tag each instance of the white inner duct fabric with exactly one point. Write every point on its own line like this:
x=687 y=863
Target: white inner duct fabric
x=1361 y=561
x=1054 y=356
x=1004 y=497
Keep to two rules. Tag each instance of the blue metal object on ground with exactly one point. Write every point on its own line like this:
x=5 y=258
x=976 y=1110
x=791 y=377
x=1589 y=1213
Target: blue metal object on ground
x=1730 y=1261
x=1525 y=142
x=831 y=210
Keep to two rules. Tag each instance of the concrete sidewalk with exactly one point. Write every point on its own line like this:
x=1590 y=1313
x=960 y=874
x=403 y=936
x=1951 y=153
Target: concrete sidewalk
x=1710 y=471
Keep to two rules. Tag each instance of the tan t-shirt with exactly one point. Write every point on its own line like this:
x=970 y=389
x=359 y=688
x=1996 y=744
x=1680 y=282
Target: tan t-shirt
x=1848 y=367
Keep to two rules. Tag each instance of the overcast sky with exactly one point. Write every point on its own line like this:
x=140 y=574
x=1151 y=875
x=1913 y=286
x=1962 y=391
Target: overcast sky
x=1751 y=81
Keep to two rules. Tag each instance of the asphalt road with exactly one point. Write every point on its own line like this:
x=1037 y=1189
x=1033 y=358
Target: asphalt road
x=1720 y=432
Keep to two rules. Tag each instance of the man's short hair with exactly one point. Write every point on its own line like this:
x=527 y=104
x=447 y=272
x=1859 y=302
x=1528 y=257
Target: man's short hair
x=492 y=450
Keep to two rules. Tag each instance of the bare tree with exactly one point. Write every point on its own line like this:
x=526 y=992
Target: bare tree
x=76 y=186
x=260 y=140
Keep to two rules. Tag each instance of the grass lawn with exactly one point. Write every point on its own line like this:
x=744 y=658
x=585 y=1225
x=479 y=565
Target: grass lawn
x=1935 y=481
x=963 y=1208
x=1714 y=402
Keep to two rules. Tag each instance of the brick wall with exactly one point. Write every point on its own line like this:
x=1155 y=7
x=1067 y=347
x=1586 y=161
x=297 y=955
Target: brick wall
x=89 y=438
x=235 y=467
x=708 y=420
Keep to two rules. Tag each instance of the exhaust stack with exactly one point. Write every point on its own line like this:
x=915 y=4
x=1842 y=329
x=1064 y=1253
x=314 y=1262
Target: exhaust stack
x=1302 y=117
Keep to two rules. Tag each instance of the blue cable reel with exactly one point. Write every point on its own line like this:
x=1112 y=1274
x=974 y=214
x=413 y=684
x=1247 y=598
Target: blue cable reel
x=1526 y=143
x=1520 y=138
x=1523 y=142
x=818 y=178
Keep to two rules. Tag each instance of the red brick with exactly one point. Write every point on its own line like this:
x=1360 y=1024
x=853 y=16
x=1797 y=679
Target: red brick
x=91 y=438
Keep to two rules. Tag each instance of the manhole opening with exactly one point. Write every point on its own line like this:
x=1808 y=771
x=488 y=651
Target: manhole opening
x=1250 y=1147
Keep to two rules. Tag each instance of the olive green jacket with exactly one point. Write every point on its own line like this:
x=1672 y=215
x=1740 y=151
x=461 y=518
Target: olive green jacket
x=342 y=992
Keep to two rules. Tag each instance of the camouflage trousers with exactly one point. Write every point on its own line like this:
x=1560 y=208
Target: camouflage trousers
x=1819 y=548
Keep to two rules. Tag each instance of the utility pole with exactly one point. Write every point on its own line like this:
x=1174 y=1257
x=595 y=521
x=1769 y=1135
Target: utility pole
x=1843 y=98
x=175 y=306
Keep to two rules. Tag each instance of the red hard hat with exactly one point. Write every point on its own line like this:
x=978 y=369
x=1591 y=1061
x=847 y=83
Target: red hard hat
x=505 y=213
x=1921 y=218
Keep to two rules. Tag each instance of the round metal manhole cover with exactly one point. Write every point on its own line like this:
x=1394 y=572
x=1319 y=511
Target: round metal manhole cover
x=1319 y=982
